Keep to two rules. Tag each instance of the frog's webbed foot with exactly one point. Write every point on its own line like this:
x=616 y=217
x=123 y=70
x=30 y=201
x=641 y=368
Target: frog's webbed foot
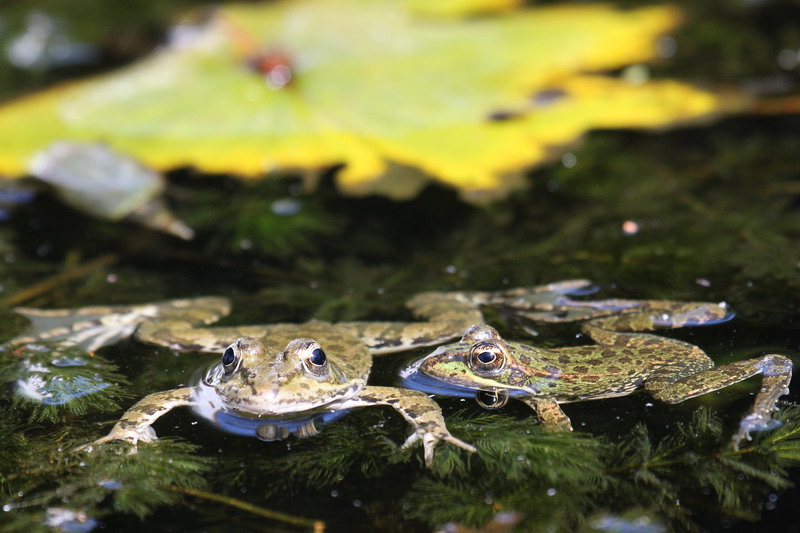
x=135 y=425
x=420 y=411
x=669 y=314
x=777 y=372
x=753 y=422
x=124 y=432
x=91 y=328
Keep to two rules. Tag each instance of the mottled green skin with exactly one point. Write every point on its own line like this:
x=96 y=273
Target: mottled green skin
x=271 y=382
x=273 y=376
x=620 y=363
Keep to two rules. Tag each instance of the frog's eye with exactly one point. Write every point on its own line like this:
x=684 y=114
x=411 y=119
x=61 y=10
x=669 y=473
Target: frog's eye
x=315 y=360
x=231 y=358
x=492 y=399
x=487 y=358
x=318 y=357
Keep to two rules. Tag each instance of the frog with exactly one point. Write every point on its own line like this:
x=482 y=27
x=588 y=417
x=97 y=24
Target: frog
x=269 y=373
x=623 y=360
x=248 y=392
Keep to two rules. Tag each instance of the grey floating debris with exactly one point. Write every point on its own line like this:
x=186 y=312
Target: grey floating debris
x=46 y=43
x=98 y=181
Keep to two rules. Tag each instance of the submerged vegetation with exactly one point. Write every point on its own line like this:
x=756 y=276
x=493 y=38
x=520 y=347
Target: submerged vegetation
x=685 y=480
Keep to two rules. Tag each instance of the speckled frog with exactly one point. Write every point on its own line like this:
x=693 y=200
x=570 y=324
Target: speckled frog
x=308 y=373
x=622 y=361
x=270 y=372
x=273 y=372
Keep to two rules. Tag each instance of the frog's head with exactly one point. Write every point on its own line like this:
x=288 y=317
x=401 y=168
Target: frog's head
x=480 y=361
x=263 y=380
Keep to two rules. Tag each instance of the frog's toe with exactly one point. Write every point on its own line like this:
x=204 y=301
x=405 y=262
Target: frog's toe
x=132 y=436
x=272 y=432
x=431 y=439
x=411 y=439
x=751 y=423
x=460 y=443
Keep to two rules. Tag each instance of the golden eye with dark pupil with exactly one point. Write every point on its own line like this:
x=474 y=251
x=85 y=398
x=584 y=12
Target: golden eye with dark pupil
x=486 y=358
x=316 y=362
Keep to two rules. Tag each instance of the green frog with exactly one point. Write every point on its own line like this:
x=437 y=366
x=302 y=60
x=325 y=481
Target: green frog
x=280 y=379
x=270 y=372
x=623 y=360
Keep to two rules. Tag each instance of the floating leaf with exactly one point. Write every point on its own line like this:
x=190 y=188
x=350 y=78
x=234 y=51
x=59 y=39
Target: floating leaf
x=102 y=183
x=371 y=85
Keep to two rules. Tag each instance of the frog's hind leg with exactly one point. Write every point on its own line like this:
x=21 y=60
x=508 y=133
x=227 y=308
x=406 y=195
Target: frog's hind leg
x=687 y=378
x=446 y=316
x=184 y=328
x=684 y=371
x=621 y=329
x=91 y=328
x=554 y=303
x=421 y=412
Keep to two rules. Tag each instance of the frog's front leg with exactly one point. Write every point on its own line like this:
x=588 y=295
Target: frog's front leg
x=550 y=414
x=134 y=426
x=420 y=411
x=681 y=381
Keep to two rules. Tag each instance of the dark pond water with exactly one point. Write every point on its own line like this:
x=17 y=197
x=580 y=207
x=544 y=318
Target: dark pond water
x=717 y=214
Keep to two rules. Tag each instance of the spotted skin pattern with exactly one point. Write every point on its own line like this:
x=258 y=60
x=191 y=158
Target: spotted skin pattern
x=266 y=384
x=273 y=377
x=622 y=361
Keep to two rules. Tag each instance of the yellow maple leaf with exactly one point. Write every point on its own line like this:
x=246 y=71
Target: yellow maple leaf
x=369 y=84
